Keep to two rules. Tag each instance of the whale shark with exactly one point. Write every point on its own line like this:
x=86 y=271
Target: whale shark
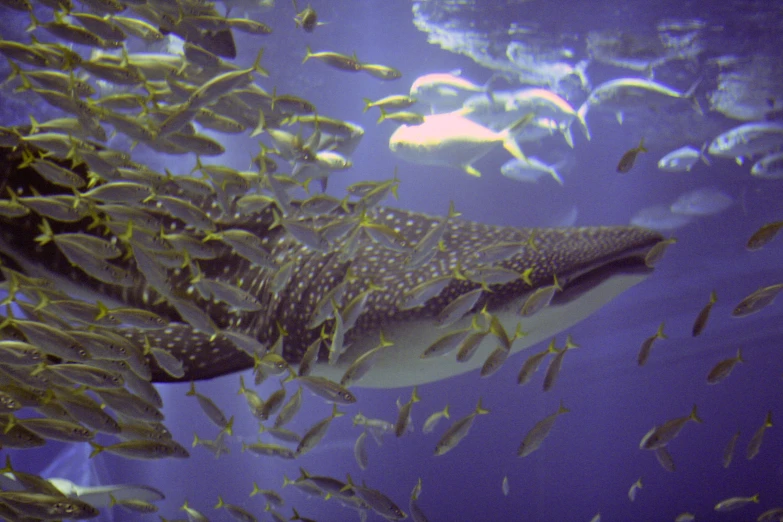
x=590 y=265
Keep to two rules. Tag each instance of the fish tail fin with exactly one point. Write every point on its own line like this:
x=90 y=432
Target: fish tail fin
x=34 y=23
x=703 y=155
x=768 y=419
x=415 y=394
x=261 y=125
x=562 y=408
x=308 y=55
x=257 y=64
x=739 y=355
x=446 y=412
x=15 y=71
x=96 y=448
x=25 y=86
x=33 y=125
x=471 y=171
x=479 y=409
x=8 y=468
x=659 y=334
x=335 y=412
x=12 y=420
x=367 y=104
x=581 y=115
x=383 y=115
x=103 y=311
x=580 y=72
x=489 y=89
x=695 y=415
x=192 y=391
x=509 y=143
x=690 y=94
x=641 y=147
x=555 y=174
x=567 y=135
x=229 y=427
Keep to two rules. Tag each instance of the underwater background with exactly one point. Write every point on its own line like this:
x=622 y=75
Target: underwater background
x=592 y=456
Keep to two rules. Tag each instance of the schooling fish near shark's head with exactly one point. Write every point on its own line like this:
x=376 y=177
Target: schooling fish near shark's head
x=360 y=284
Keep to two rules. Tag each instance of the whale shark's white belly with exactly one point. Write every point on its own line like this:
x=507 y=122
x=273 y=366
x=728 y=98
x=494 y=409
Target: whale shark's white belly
x=400 y=365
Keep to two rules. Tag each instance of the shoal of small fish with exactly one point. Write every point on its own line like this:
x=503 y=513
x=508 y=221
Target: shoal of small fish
x=58 y=381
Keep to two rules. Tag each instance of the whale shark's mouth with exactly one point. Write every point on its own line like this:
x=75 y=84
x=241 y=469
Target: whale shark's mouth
x=581 y=281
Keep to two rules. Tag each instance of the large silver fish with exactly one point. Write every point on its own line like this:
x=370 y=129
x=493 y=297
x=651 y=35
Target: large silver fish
x=591 y=264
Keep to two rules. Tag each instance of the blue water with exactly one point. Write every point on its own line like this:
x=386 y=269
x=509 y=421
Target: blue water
x=592 y=456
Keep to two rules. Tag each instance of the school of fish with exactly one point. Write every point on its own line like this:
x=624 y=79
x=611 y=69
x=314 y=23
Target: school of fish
x=115 y=276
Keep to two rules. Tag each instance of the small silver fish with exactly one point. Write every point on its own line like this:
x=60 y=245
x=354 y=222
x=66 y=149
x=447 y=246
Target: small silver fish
x=644 y=351
x=661 y=436
x=360 y=451
x=634 y=489
x=377 y=501
x=730 y=504
x=329 y=390
x=728 y=451
x=403 y=415
x=142 y=449
x=704 y=314
x=723 y=369
x=317 y=432
x=458 y=431
x=289 y=409
x=536 y=436
x=209 y=408
x=755 y=443
x=757 y=301
x=764 y=235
